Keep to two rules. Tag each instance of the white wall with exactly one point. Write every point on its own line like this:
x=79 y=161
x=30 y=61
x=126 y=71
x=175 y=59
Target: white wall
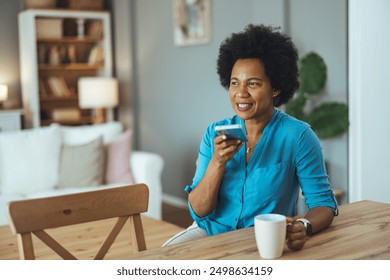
x=369 y=99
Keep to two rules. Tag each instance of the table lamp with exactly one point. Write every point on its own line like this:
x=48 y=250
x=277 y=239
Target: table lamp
x=3 y=93
x=98 y=93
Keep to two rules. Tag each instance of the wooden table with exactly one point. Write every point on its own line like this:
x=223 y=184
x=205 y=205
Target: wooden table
x=361 y=231
x=83 y=240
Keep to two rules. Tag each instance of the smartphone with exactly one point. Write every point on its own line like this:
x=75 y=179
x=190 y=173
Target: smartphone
x=232 y=131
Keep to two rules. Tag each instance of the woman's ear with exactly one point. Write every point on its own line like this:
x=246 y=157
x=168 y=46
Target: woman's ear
x=276 y=100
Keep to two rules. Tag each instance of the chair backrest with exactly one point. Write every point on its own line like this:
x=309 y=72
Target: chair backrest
x=35 y=215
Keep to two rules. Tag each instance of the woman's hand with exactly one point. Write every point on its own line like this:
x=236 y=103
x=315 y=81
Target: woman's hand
x=225 y=149
x=296 y=234
x=320 y=218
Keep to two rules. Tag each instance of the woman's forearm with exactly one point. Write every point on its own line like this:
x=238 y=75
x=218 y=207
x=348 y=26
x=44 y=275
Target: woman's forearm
x=204 y=197
x=320 y=218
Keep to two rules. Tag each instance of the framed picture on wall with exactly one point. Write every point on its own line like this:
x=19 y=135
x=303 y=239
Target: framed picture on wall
x=192 y=22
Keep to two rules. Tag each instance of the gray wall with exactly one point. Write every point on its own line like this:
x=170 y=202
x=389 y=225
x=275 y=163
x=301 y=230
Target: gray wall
x=174 y=93
x=123 y=53
x=177 y=91
x=321 y=26
x=9 y=50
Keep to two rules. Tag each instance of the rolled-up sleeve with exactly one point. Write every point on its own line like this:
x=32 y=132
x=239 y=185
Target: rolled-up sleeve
x=312 y=174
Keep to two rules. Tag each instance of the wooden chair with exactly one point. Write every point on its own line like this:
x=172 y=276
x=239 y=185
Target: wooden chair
x=36 y=215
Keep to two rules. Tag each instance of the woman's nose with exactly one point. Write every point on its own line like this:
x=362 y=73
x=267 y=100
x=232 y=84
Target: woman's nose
x=242 y=92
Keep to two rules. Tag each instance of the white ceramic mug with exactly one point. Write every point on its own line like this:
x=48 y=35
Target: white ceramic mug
x=270 y=232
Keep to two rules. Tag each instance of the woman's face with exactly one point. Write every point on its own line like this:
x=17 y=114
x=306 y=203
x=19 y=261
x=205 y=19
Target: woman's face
x=250 y=90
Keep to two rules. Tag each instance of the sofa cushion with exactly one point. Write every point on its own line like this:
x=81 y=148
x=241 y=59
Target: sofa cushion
x=78 y=135
x=118 y=159
x=4 y=200
x=65 y=191
x=29 y=160
x=82 y=165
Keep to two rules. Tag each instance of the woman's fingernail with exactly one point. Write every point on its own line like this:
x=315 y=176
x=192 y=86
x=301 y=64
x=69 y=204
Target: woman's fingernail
x=224 y=137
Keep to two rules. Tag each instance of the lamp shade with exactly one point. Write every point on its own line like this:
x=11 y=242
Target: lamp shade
x=3 y=93
x=97 y=92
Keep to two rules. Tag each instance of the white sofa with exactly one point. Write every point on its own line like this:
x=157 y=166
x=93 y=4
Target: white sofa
x=58 y=160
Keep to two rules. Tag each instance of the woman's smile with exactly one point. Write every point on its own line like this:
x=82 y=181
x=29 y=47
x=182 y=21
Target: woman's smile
x=242 y=107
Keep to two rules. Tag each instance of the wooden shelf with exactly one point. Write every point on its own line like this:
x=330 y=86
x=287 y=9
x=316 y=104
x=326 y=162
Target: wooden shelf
x=56 y=57
x=80 y=121
x=70 y=40
x=58 y=99
x=69 y=67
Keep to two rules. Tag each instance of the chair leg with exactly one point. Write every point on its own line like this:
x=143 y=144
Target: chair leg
x=111 y=238
x=137 y=233
x=25 y=245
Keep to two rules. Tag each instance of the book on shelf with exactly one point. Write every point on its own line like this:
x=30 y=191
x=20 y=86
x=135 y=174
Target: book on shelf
x=58 y=87
x=43 y=90
x=95 y=29
x=96 y=56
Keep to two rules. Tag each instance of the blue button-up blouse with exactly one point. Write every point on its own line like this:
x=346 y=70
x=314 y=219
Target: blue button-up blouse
x=287 y=157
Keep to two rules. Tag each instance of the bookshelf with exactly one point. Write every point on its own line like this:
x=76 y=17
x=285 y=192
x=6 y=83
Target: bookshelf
x=57 y=47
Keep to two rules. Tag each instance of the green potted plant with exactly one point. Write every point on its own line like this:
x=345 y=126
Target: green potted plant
x=328 y=119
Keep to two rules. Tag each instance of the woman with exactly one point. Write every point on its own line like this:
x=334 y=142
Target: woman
x=236 y=181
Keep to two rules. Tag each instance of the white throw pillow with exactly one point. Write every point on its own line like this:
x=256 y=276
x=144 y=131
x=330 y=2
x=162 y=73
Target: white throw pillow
x=79 y=135
x=82 y=165
x=29 y=160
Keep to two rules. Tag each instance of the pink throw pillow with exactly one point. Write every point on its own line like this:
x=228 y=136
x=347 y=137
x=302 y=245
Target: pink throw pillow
x=118 y=160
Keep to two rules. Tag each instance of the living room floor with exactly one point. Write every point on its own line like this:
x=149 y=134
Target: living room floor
x=176 y=215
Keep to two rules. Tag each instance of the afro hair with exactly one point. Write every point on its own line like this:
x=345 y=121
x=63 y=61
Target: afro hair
x=275 y=50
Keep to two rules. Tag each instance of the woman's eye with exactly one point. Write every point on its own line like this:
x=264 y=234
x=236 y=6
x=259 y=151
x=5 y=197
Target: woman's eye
x=233 y=83
x=253 y=84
